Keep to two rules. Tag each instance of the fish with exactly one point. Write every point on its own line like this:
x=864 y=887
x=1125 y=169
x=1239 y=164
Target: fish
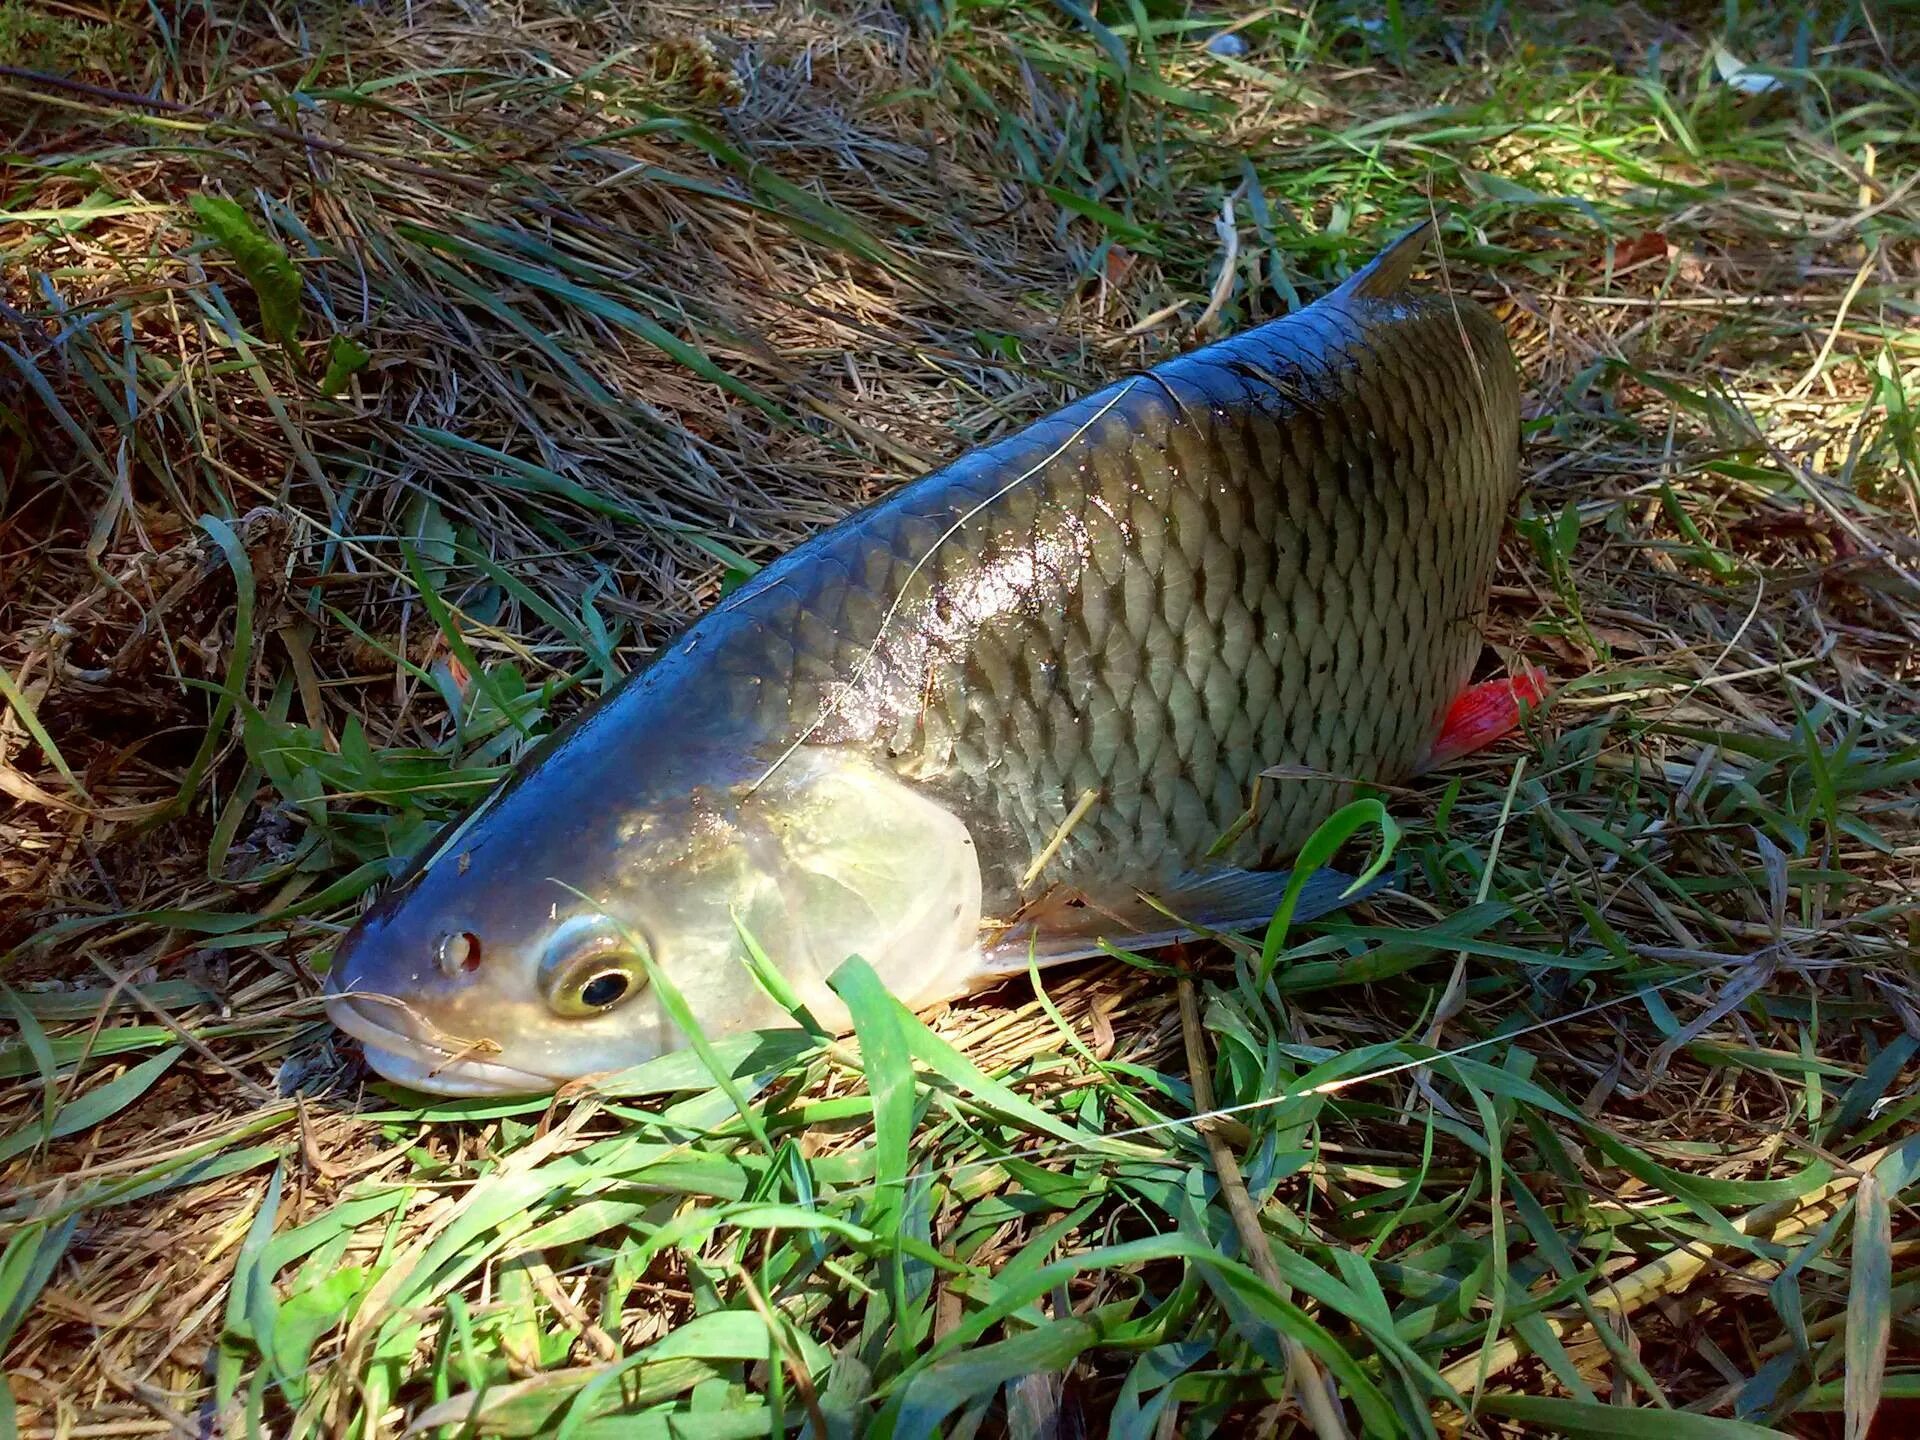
x=1091 y=683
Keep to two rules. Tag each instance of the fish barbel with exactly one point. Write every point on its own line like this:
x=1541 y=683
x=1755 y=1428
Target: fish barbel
x=987 y=715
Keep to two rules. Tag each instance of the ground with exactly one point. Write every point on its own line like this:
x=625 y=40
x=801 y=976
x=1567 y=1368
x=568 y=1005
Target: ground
x=382 y=380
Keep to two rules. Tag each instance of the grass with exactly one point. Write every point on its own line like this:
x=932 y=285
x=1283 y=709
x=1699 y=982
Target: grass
x=525 y=333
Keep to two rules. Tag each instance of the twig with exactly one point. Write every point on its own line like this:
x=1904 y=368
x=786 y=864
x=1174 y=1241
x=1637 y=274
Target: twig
x=124 y=983
x=1309 y=1380
x=1074 y=817
x=570 y=1313
x=777 y=1336
x=1805 y=382
x=1815 y=486
x=1229 y=234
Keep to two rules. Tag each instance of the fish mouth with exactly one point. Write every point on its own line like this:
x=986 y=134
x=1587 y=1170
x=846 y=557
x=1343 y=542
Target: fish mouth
x=409 y=1059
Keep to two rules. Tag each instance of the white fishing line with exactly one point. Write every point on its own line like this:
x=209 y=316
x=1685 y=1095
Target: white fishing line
x=1092 y=1143
x=1048 y=1147
x=1326 y=1087
x=900 y=596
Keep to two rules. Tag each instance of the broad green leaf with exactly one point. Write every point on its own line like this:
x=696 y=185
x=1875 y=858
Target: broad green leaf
x=950 y=1065
x=936 y=1392
x=98 y=1104
x=251 y=1303
x=1321 y=847
x=23 y=710
x=32 y=1254
x=305 y=1317
x=1105 y=216
x=887 y=1062
x=752 y=1058
x=535 y=1406
x=35 y=1052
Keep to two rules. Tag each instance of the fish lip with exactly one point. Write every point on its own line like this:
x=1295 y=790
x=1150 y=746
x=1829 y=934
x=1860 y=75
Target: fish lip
x=423 y=1065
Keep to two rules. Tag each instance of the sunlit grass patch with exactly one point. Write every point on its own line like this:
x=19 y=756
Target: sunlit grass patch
x=379 y=384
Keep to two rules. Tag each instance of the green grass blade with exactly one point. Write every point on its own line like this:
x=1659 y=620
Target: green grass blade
x=1320 y=848
x=32 y=1254
x=233 y=687
x=98 y=1105
x=1590 y=1420
x=1869 y=1315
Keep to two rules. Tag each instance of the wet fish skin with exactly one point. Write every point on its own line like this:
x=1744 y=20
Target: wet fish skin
x=1272 y=551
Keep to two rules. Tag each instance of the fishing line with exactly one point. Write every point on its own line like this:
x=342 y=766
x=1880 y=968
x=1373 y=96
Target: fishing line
x=1327 y=1087
x=899 y=599
x=1044 y=1148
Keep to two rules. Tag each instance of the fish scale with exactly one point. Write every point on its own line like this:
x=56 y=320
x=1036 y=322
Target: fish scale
x=1256 y=557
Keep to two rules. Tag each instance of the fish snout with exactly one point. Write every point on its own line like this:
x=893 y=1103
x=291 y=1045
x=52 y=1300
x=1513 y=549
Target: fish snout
x=413 y=949
x=405 y=1045
x=432 y=1009
x=370 y=985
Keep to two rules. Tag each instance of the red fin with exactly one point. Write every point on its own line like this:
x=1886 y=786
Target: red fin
x=1486 y=712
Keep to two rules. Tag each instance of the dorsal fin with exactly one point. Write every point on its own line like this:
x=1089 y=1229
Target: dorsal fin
x=1385 y=276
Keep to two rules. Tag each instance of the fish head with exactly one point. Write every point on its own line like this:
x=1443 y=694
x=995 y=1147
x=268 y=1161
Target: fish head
x=540 y=942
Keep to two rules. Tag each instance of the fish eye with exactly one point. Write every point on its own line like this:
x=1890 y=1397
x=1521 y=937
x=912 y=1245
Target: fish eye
x=589 y=970
x=607 y=988
x=594 y=982
x=457 y=953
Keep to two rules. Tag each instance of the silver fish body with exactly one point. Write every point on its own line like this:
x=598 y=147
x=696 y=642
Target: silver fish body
x=987 y=712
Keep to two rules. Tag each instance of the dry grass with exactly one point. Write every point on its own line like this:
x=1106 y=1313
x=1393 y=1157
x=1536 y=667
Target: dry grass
x=647 y=294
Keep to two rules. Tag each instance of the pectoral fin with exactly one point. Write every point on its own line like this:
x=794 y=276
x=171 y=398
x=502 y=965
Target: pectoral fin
x=1225 y=901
